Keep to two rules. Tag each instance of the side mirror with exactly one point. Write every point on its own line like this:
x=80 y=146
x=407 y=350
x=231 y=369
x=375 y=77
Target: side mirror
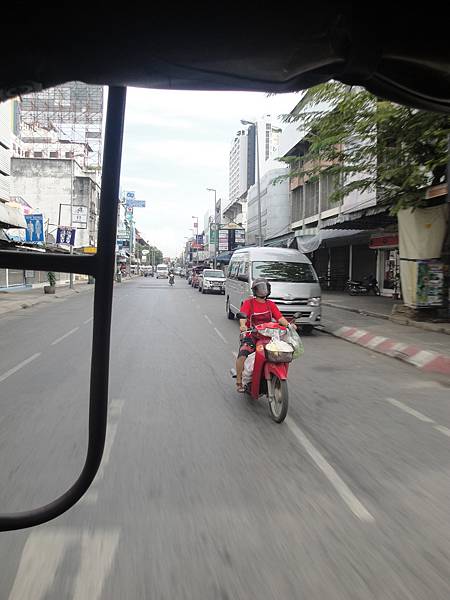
x=243 y=278
x=241 y=315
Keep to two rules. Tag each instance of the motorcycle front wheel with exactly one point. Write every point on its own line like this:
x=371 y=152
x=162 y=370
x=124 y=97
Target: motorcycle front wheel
x=278 y=399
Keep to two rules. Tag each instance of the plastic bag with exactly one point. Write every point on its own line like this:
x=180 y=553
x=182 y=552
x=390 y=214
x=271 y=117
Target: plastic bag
x=295 y=341
x=249 y=365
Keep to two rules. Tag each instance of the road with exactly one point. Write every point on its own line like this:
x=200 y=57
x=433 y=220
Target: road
x=200 y=495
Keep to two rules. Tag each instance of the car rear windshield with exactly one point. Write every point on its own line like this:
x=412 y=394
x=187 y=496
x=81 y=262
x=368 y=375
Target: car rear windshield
x=284 y=271
x=210 y=273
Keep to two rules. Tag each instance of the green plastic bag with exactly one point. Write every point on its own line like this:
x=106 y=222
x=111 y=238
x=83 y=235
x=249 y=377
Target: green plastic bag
x=295 y=341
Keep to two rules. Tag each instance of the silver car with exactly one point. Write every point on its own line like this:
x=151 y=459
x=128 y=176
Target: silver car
x=294 y=283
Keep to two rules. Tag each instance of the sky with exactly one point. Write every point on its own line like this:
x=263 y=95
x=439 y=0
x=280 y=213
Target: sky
x=176 y=144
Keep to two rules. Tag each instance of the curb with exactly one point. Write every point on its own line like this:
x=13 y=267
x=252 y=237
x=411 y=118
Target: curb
x=426 y=360
x=24 y=304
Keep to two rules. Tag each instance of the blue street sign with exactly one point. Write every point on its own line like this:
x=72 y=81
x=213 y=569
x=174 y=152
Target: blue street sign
x=35 y=229
x=135 y=203
x=65 y=235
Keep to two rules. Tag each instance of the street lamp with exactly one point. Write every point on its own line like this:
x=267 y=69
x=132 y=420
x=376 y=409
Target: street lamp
x=196 y=237
x=215 y=224
x=255 y=124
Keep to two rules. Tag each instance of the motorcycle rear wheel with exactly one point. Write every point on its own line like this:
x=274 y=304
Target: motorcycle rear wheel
x=279 y=402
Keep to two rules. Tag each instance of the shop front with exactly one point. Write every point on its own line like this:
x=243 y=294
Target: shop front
x=388 y=263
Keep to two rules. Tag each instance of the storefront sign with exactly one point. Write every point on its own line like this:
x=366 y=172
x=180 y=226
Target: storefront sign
x=65 y=235
x=35 y=228
x=384 y=241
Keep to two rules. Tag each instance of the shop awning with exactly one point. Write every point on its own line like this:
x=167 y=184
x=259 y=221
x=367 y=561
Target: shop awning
x=11 y=217
x=330 y=237
x=281 y=241
x=375 y=217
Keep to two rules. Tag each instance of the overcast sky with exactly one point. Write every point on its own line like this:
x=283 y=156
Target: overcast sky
x=176 y=145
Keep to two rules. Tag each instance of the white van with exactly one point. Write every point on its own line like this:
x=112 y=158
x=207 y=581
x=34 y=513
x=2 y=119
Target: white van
x=294 y=283
x=162 y=271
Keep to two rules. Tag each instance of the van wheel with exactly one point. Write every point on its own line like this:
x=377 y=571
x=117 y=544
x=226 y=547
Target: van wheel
x=230 y=313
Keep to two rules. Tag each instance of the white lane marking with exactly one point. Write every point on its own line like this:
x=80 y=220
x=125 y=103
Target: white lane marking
x=63 y=337
x=444 y=430
x=88 y=320
x=44 y=552
x=18 y=367
x=114 y=410
x=410 y=411
x=234 y=353
x=220 y=335
x=97 y=555
x=208 y=319
x=339 y=485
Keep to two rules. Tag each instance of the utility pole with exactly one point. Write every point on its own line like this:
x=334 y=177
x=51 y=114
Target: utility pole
x=71 y=217
x=215 y=224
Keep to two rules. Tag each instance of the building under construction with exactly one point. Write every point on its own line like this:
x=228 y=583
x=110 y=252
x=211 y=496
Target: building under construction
x=63 y=122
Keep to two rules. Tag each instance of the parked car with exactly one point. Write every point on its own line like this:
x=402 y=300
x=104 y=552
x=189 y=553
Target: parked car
x=212 y=280
x=294 y=283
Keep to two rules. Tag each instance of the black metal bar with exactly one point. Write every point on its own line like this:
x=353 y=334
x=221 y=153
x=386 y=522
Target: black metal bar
x=102 y=323
x=40 y=261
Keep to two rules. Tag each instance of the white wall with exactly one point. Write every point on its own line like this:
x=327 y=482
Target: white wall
x=5 y=149
x=275 y=207
x=45 y=185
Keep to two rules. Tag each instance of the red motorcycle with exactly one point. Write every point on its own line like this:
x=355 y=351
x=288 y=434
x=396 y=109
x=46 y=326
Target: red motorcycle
x=270 y=370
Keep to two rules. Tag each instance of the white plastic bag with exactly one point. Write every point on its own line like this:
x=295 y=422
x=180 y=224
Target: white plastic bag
x=249 y=365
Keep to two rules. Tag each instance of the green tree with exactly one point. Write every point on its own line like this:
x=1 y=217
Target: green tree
x=369 y=144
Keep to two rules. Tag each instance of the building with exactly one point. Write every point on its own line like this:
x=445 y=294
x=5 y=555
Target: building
x=269 y=136
x=63 y=121
x=275 y=208
x=350 y=239
x=260 y=141
x=242 y=163
x=50 y=186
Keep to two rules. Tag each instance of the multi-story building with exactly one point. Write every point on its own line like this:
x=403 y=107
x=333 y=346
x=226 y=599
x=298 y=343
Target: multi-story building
x=350 y=239
x=61 y=122
x=242 y=162
x=51 y=186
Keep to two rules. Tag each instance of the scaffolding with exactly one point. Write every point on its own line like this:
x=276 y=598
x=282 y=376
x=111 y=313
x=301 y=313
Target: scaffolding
x=72 y=113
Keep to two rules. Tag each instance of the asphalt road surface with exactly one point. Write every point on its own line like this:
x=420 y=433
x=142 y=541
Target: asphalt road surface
x=200 y=494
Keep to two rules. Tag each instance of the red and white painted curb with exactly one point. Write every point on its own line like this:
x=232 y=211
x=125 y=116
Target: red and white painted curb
x=432 y=362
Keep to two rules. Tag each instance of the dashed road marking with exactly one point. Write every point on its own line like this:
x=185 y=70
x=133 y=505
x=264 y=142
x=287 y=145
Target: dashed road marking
x=88 y=320
x=208 y=319
x=444 y=430
x=63 y=337
x=44 y=553
x=220 y=335
x=18 y=367
x=357 y=508
x=410 y=411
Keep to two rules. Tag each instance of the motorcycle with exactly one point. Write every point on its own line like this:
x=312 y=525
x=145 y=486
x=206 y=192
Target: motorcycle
x=270 y=371
x=171 y=279
x=365 y=287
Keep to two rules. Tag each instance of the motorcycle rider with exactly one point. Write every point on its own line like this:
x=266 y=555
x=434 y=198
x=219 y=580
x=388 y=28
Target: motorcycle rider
x=171 y=278
x=258 y=310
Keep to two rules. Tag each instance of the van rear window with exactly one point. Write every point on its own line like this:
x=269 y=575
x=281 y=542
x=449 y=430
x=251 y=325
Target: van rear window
x=284 y=271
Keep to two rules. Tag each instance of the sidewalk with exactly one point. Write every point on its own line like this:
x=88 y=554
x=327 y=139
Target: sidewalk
x=378 y=306
x=352 y=319
x=23 y=298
